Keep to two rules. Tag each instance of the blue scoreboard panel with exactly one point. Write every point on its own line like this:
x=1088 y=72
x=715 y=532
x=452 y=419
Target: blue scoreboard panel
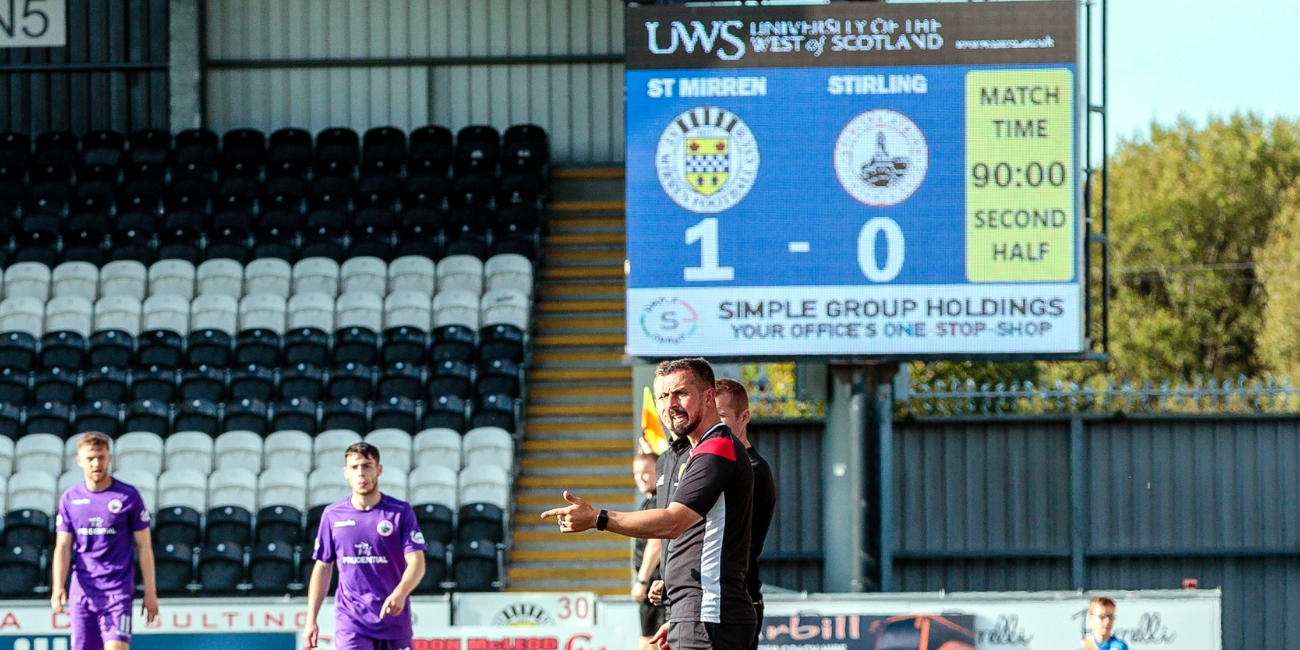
x=854 y=180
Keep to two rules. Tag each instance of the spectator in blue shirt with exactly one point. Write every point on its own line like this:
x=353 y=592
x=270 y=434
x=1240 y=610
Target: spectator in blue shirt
x=1101 y=620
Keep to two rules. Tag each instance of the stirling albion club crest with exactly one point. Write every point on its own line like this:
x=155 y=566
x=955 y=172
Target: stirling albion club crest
x=707 y=160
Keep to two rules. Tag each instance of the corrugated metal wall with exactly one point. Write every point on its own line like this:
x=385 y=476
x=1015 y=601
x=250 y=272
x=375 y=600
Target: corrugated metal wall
x=1125 y=503
x=792 y=555
x=272 y=63
x=111 y=75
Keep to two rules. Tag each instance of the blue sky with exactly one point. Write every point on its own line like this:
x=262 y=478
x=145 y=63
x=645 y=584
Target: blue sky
x=1200 y=58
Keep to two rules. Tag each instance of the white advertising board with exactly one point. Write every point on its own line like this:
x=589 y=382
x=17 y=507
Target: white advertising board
x=524 y=609
x=34 y=23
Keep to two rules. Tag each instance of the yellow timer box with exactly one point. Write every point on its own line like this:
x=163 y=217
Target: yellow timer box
x=1020 y=179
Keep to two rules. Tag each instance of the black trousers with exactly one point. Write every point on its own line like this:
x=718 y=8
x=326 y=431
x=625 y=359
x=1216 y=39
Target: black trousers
x=710 y=636
x=758 y=629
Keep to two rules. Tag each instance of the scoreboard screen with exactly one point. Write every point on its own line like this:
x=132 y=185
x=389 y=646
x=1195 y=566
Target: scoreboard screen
x=855 y=179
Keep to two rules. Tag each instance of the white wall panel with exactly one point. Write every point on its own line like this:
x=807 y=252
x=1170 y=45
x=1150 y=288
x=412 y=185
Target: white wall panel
x=580 y=104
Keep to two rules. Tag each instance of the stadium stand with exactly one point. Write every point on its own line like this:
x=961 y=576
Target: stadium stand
x=235 y=310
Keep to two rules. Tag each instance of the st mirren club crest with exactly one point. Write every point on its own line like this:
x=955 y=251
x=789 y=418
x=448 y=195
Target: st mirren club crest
x=523 y=615
x=707 y=160
x=881 y=157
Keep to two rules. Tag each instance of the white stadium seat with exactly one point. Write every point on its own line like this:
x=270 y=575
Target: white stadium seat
x=287 y=449
x=263 y=311
x=214 y=311
x=233 y=486
x=39 y=452
x=118 y=313
x=28 y=279
x=508 y=271
x=505 y=307
x=6 y=456
x=394 y=447
x=485 y=484
x=241 y=449
x=412 y=273
x=145 y=482
x=69 y=314
x=34 y=490
x=311 y=310
x=325 y=486
x=284 y=486
x=123 y=278
x=489 y=446
x=76 y=279
x=189 y=450
x=70 y=478
x=268 y=275
x=22 y=314
x=360 y=309
x=139 y=450
x=364 y=273
x=433 y=484
x=461 y=273
x=330 y=445
x=220 y=276
x=316 y=275
x=185 y=487
x=174 y=277
x=437 y=446
x=393 y=482
x=408 y=309
x=168 y=312
x=456 y=308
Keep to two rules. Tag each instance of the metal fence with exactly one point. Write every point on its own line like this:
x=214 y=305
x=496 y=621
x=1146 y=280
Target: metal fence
x=1194 y=396
x=793 y=555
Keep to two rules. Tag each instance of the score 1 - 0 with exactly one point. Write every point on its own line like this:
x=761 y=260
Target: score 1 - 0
x=710 y=269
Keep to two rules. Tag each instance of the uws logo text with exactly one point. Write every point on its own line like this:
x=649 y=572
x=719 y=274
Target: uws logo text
x=688 y=37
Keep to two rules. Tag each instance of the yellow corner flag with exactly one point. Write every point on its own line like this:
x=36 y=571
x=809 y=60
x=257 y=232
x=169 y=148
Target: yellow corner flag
x=652 y=430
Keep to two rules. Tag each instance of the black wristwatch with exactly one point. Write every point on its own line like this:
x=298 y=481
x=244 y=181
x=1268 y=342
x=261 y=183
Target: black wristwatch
x=602 y=520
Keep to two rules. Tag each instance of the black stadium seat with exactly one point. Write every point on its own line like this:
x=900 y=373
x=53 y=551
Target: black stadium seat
x=344 y=413
x=247 y=146
x=436 y=522
x=252 y=380
x=295 y=414
x=56 y=147
x=27 y=528
x=11 y=417
x=209 y=347
x=18 y=350
x=106 y=383
x=338 y=144
x=432 y=143
x=400 y=379
x=54 y=385
x=435 y=569
x=162 y=348
x=173 y=568
x=445 y=411
x=150 y=146
x=494 y=410
x=178 y=525
x=292 y=147
x=384 y=144
x=15 y=149
x=155 y=382
x=15 y=386
x=302 y=380
x=271 y=566
x=307 y=345
x=49 y=417
x=474 y=566
x=204 y=382
x=247 y=414
x=480 y=521
x=114 y=348
x=221 y=568
x=279 y=524
x=100 y=415
x=351 y=380
x=395 y=413
x=198 y=415
x=147 y=415
x=198 y=146
x=498 y=376
x=20 y=570
x=229 y=524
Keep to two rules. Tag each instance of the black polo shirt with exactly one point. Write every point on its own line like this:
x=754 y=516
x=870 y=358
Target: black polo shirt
x=669 y=471
x=764 y=508
x=705 y=580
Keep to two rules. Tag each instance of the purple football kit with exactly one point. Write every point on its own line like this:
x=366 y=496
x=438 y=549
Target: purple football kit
x=369 y=547
x=103 y=526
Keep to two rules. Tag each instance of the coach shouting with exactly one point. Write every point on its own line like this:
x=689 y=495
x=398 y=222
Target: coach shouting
x=705 y=581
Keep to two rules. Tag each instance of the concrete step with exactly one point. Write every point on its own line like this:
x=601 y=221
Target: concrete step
x=543 y=501
x=573 y=360
x=584 y=429
x=570 y=306
x=582 y=291
x=582 y=223
x=535 y=446
x=586 y=205
x=581 y=571
x=562 y=483
x=569 y=555
x=611 y=256
x=596 y=464
x=542 y=375
x=583 y=272
x=577 y=410
x=551 y=537
x=580 y=340
x=586 y=238
x=587 y=173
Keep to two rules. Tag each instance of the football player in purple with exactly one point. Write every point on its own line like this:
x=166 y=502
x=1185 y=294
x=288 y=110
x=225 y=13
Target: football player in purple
x=100 y=522
x=378 y=546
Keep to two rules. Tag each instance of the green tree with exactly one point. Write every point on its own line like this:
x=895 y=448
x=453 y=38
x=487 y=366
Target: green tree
x=1279 y=268
x=1191 y=210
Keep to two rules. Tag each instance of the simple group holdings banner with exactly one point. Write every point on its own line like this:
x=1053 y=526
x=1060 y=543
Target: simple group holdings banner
x=854 y=179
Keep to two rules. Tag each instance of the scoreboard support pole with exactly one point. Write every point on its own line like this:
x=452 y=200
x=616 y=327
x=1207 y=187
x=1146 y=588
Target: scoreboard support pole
x=858 y=457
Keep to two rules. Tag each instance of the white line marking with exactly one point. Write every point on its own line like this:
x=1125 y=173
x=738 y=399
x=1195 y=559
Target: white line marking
x=800 y=247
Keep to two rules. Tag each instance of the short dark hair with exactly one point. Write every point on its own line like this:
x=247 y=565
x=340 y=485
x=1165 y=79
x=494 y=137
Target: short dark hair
x=362 y=449
x=735 y=389
x=698 y=367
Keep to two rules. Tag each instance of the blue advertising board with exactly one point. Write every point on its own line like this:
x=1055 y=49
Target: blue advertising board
x=846 y=179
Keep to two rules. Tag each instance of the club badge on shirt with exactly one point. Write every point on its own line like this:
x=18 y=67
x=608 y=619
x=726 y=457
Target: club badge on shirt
x=115 y=506
x=417 y=537
x=384 y=528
